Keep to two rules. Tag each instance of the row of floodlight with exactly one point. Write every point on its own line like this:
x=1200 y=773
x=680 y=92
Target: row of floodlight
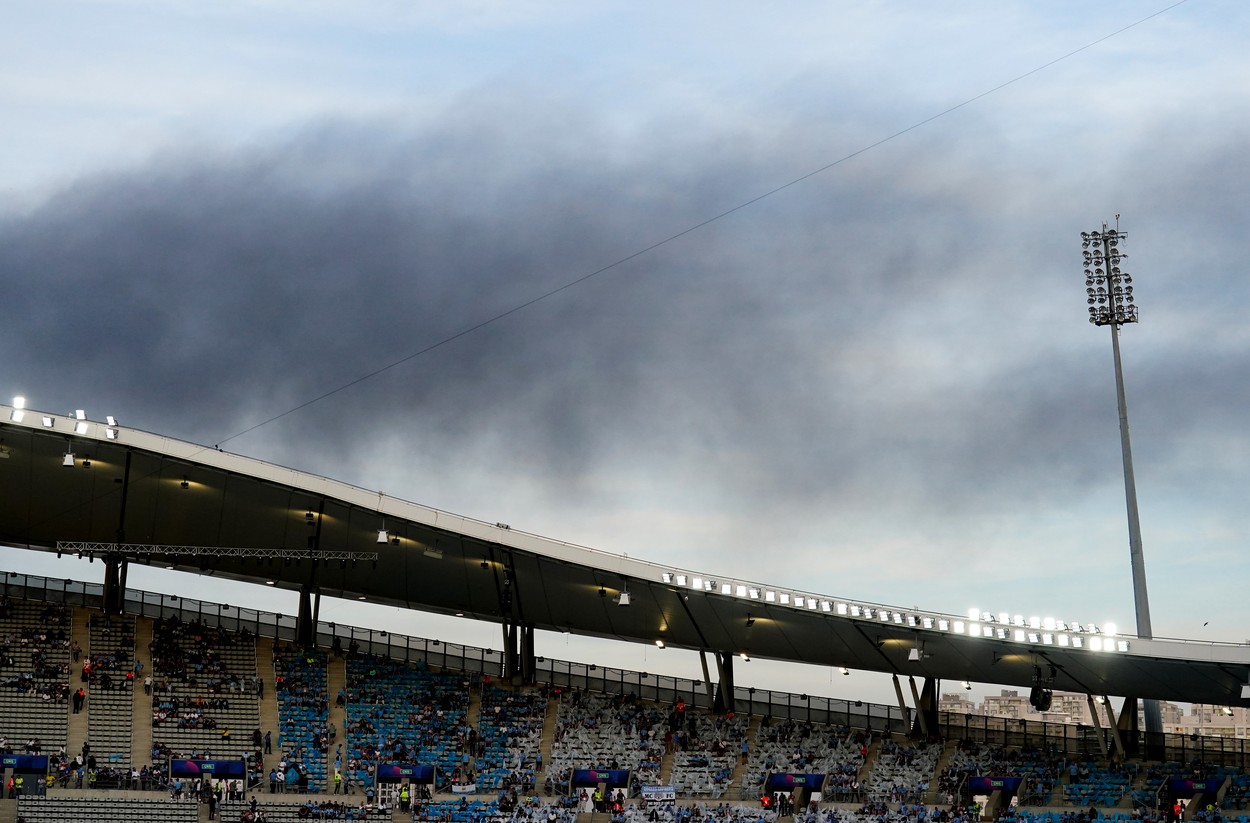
x=1037 y=630
x=1111 y=236
x=1049 y=624
x=77 y=420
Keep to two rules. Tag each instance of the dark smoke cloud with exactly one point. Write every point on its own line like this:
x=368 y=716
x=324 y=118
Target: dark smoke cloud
x=902 y=334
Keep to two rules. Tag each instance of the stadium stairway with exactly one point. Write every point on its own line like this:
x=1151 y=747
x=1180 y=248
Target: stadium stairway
x=473 y=714
x=666 y=767
x=934 y=797
x=336 y=681
x=547 y=739
x=870 y=761
x=740 y=766
x=269 y=703
x=8 y=811
x=76 y=734
x=141 y=729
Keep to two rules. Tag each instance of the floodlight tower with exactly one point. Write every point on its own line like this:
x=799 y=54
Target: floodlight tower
x=1109 y=294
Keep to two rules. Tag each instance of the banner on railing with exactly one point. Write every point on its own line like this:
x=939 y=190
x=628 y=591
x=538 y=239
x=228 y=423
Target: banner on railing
x=787 y=781
x=25 y=763
x=220 y=769
x=986 y=785
x=399 y=772
x=659 y=794
x=1184 y=787
x=612 y=778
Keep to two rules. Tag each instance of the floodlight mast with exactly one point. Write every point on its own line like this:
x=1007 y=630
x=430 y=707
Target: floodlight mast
x=1109 y=295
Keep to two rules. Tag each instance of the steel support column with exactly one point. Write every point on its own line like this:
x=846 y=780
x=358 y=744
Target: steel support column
x=723 y=702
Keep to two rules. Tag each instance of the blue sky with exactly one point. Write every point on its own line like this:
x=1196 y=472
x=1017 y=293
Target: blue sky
x=882 y=374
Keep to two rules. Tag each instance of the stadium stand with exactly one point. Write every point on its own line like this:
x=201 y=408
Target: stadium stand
x=110 y=689
x=1091 y=784
x=509 y=732
x=94 y=809
x=972 y=758
x=204 y=700
x=397 y=712
x=902 y=772
x=708 y=747
x=595 y=731
x=1237 y=791
x=34 y=675
x=792 y=746
x=402 y=712
x=302 y=691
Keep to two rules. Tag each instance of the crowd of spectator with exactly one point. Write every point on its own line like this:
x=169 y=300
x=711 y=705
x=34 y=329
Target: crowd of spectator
x=305 y=734
x=38 y=650
x=1040 y=768
x=400 y=713
x=595 y=731
x=508 y=744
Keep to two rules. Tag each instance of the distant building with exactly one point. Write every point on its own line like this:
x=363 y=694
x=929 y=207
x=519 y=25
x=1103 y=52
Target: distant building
x=1073 y=708
x=957 y=704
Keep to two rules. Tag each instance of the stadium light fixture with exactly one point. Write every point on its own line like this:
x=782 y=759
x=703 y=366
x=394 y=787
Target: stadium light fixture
x=659 y=644
x=110 y=420
x=1109 y=297
x=624 y=599
x=19 y=402
x=67 y=460
x=383 y=537
x=82 y=427
x=48 y=422
x=967 y=685
x=845 y=671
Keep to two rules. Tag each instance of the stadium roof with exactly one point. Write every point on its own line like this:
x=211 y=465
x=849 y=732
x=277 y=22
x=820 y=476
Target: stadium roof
x=191 y=507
